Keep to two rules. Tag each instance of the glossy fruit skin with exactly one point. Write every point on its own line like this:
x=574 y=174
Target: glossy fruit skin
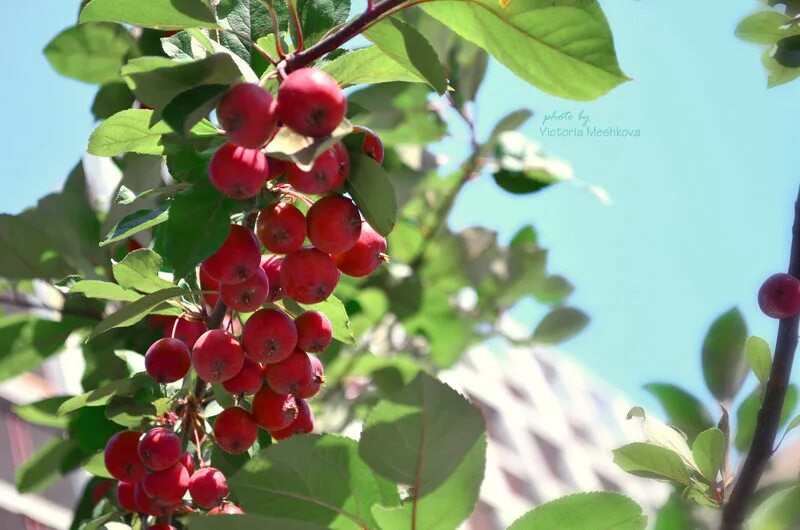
x=303 y=424
x=269 y=336
x=237 y=259
x=208 y=487
x=168 y=486
x=273 y=411
x=167 y=360
x=160 y=449
x=290 y=375
x=248 y=295
x=148 y=505
x=373 y=146
x=164 y=526
x=248 y=114
x=343 y=159
x=186 y=330
x=247 y=381
x=217 y=356
x=365 y=256
x=226 y=509
x=121 y=456
x=126 y=498
x=309 y=276
x=238 y=172
x=317 y=379
x=326 y=174
x=272 y=266
x=779 y=296
x=334 y=224
x=235 y=430
x=281 y=227
x=188 y=462
x=314 y=331
x=311 y=103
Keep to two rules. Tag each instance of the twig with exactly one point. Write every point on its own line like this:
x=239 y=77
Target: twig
x=770 y=413
x=298 y=29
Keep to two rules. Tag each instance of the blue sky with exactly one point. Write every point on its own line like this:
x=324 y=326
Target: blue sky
x=702 y=200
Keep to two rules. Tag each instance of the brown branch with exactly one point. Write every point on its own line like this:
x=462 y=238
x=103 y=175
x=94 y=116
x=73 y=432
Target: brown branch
x=771 y=406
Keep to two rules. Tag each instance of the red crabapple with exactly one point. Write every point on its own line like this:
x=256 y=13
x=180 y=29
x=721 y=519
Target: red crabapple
x=372 y=146
x=100 y=490
x=207 y=283
x=186 y=330
x=126 y=498
x=273 y=411
x=226 y=509
x=311 y=103
x=235 y=430
x=269 y=336
x=303 y=424
x=188 y=462
x=248 y=295
x=365 y=256
x=163 y=526
x=238 y=172
x=247 y=381
x=290 y=375
x=779 y=296
x=334 y=224
x=272 y=266
x=121 y=456
x=326 y=174
x=217 y=356
x=277 y=167
x=343 y=158
x=166 y=487
x=208 y=487
x=248 y=114
x=314 y=331
x=281 y=227
x=317 y=379
x=159 y=449
x=167 y=360
x=237 y=259
x=309 y=276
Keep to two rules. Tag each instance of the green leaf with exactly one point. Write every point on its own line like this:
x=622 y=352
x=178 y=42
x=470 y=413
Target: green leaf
x=303 y=150
x=448 y=505
x=93 y=53
x=192 y=106
x=406 y=46
x=365 y=66
x=110 y=99
x=724 y=362
x=684 y=410
x=157 y=80
x=708 y=450
x=248 y=521
x=96 y=465
x=26 y=341
x=43 y=412
x=159 y=14
x=41 y=469
x=250 y=20
x=559 y=325
x=104 y=291
x=522 y=167
x=127 y=196
x=675 y=513
x=747 y=415
x=562 y=47
x=187 y=242
x=649 y=460
x=763 y=27
x=314 y=479
x=420 y=434
x=509 y=122
x=759 y=357
x=319 y=16
x=334 y=309
x=371 y=188
x=136 y=311
x=779 y=511
x=130 y=131
x=102 y=395
x=139 y=270
x=137 y=222
x=598 y=510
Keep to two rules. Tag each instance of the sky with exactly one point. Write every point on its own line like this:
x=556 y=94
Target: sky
x=702 y=200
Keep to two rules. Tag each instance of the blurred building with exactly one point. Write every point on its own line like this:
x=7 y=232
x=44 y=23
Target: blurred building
x=552 y=427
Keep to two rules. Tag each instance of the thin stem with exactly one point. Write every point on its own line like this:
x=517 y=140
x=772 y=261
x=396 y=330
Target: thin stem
x=769 y=415
x=296 y=22
x=275 y=28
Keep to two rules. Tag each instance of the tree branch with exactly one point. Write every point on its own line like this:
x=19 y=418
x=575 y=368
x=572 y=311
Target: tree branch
x=769 y=415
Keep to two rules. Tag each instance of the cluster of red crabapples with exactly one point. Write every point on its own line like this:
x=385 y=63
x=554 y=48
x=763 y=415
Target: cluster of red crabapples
x=270 y=358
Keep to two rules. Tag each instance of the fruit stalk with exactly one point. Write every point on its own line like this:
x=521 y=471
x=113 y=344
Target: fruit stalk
x=769 y=415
